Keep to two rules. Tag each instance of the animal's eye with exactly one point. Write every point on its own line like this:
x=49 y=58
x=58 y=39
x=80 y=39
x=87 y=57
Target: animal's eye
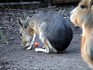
x=20 y=34
x=82 y=6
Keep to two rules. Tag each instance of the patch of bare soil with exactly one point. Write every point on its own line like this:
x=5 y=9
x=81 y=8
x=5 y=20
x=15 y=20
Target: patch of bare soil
x=14 y=57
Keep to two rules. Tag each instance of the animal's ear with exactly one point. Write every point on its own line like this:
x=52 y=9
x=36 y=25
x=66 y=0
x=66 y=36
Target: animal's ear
x=90 y=3
x=20 y=22
x=23 y=23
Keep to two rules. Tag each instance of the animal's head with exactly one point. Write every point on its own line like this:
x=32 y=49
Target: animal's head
x=25 y=32
x=80 y=13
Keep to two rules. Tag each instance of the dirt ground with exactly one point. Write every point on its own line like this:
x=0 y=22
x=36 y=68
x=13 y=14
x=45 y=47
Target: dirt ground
x=14 y=57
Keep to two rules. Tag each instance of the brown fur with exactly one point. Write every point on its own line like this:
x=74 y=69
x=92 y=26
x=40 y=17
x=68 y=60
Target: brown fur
x=82 y=16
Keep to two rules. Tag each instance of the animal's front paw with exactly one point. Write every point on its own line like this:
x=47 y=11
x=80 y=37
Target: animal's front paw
x=28 y=48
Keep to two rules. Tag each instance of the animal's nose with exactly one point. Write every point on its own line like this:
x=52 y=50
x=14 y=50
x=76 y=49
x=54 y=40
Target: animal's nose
x=27 y=45
x=76 y=27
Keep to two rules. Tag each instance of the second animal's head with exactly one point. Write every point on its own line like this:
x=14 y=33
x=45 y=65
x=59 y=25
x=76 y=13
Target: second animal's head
x=25 y=32
x=81 y=12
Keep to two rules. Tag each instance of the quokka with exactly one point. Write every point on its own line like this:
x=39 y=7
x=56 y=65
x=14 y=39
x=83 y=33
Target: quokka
x=53 y=30
x=82 y=16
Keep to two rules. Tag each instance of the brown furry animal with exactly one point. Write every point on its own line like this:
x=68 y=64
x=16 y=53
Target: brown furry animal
x=53 y=30
x=82 y=16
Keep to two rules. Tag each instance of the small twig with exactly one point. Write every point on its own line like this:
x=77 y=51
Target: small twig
x=3 y=37
x=79 y=66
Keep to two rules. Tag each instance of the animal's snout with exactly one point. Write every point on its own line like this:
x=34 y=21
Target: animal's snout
x=71 y=12
x=25 y=45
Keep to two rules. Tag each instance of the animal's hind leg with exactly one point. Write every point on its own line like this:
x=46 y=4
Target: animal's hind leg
x=47 y=48
x=52 y=49
x=44 y=49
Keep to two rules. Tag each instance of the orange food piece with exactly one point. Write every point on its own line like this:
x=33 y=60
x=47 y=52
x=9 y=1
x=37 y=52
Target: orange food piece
x=36 y=44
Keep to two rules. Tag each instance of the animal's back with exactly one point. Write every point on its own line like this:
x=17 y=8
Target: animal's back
x=55 y=28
